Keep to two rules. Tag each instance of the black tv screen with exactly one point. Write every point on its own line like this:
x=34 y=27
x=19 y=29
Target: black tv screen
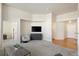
x=36 y=28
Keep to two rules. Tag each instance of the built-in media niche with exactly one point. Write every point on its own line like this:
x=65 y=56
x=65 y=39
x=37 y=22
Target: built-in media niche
x=36 y=29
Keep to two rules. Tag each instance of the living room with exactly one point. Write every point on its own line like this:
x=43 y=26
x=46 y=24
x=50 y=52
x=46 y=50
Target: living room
x=24 y=21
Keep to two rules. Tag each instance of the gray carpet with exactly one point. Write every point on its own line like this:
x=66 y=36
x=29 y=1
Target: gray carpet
x=1 y=52
x=44 y=48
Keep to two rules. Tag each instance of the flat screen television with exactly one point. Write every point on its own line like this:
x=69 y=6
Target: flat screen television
x=36 y=28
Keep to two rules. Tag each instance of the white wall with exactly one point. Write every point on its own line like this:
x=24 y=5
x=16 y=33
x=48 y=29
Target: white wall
x=78 y=31
x=71 y=30
x=53 y=26
x=45 y=21
x=14 y=30
x=78 y=6
x=38 y=17
x=25 y=27
x=13 y=14
x=59 y=31
x=78 y=35
x=62 y=18
x=54 y=30
x=68 y=16
x=7 y=28
x=1 y=25
x=48 y=27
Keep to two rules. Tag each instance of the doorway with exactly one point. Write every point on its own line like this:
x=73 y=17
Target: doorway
x=70 y=33
x=9 y=32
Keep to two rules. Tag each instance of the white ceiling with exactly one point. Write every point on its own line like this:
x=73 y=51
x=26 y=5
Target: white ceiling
x=56 y=8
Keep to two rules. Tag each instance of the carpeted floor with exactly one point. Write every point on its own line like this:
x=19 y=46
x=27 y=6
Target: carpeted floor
x=46 y=45
x=1 y=52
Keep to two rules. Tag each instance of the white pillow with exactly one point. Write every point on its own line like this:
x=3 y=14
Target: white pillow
x=26 y=37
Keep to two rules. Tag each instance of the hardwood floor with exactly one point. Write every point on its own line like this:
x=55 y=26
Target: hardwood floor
x=68 y=43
